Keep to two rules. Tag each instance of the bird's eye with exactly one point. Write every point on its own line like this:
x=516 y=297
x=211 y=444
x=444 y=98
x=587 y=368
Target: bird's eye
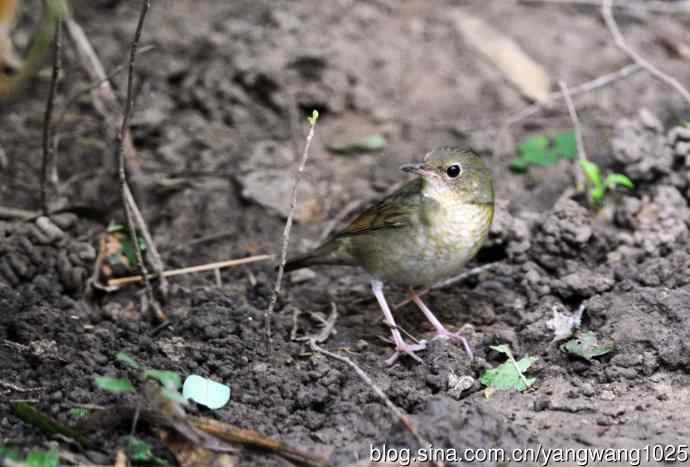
x=454 y=170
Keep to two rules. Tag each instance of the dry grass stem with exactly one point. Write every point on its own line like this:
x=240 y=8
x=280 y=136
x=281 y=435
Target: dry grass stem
x=652 y=6
x=607 y=13
x=582 y=88
x=192 y=269
x=397 y=413
x=581 y=153
x=49 y=172
x=286 y=231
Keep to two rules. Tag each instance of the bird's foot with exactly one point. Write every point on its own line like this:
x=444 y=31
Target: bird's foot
x=403 y=348
x=443 y=333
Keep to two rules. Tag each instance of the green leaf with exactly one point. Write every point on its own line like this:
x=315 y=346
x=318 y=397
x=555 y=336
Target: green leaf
x=129 y=251
x=540 y=150
x=565 y=145
x=371 y=143
x=37 y=458
x=115 y=385
x=78 y=412
x=615 y=179
x=168 y=379
x=509 y=375
x=10 y=453
x=112 y=228
x=139 y=450
x=586 y=345
x=313 y=118
x=593 y=174
x=128 y=360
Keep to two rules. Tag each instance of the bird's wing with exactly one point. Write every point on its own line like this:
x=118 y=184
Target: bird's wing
x=397 y=210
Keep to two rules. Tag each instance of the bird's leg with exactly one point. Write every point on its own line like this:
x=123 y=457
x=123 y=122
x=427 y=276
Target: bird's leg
x=441 y=330
x=401 y=347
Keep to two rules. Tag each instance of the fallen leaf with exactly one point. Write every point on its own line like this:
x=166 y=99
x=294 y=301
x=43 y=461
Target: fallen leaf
x=508 y=375
x=371 y=143
x=528 y=76
x=587 y=345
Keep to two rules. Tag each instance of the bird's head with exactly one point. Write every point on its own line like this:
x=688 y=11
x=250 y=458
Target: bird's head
x=454 y=175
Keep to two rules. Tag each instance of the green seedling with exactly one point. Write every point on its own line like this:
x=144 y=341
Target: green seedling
x=313 y=118
x=140 y=451
x=509 y=375
x=542 y=151
x=169 y=380
x=78 y=412
x=35 y=458
x=598 y=185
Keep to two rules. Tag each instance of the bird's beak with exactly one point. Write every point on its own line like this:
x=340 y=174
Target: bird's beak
x=420 y=169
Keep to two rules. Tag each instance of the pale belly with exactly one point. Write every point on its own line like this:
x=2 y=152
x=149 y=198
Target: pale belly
x=429 y=253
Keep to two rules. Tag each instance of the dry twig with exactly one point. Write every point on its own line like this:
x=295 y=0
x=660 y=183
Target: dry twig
x=644 y=5
x=582 y=88
x=581 y=153
x=288 y=227
x=607 y=13
x=107 y=105
x=192 y=269
x=49 y=165
x=402 y=417
x=127 y=199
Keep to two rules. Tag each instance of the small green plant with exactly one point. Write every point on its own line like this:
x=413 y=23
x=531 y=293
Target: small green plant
x=140 y=451
x=509 y=375
x=35 y=458
x=169 y=380
x=543 y=151
x=598 y=185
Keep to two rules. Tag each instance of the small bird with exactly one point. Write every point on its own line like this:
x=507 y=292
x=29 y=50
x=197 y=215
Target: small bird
x=425 y=231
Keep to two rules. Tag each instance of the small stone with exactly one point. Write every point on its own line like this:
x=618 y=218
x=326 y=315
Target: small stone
x=682 y=148
x=458 y=384
x=649 y=120
x=607 y=395
x=678 y=133
x=302 y=275
x=51 y=230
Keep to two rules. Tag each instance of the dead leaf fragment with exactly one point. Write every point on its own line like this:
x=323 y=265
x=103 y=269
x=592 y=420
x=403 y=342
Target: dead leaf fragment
x=527 y=75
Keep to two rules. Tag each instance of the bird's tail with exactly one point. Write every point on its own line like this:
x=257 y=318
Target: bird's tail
x=328 y=253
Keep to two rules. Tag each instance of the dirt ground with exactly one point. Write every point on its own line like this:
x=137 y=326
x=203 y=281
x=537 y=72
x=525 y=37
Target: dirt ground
x=219 y=126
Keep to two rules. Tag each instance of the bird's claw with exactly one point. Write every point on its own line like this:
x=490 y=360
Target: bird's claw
x=406 y=349
x=455 y=336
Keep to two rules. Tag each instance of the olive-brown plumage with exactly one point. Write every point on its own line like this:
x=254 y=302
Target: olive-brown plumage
x=424 y=232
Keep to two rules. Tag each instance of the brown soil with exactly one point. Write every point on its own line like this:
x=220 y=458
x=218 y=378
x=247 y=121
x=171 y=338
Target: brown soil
x=215 y=112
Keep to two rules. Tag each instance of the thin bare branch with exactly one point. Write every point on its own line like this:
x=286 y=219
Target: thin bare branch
x=607 y=13
x=127 y=199
x=193 y=269
x=654 y=6
x=49 y=167
x=397 y=413
x=582 y=88
x=107 y=105
x=579 y=140
x=288 y=227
